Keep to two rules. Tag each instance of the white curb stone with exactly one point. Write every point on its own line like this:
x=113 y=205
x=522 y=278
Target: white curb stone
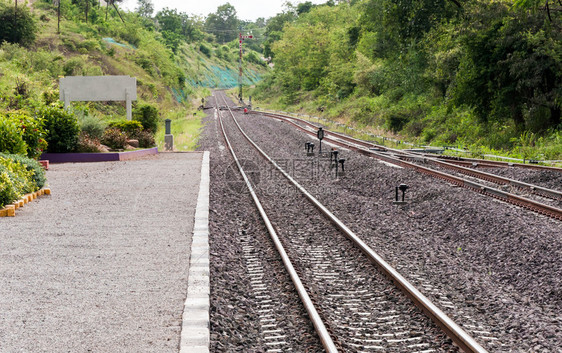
x=195 y=335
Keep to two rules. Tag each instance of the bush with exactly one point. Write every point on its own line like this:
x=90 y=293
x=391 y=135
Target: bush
x=129 y=127
x=8 y=192
x=88 y=144
x=92 y=126
x=11 y=140
x=205 y=50
x=148 y=116
x=32 y=132
x=145 y=138
x=36 y=169
x=114 y=139
x=16 y=26
x=62 y=129
x=15 y=180
x=74 y=66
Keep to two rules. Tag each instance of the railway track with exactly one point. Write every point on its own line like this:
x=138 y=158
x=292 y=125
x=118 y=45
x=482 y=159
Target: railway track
x=469 y=162
x=418 y=162
x=352 y=308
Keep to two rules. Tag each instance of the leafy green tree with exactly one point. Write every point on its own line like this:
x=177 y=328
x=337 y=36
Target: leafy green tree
x=512 y=69
x=274 y=29
x=223 y=23
x=145 y=8
x=17 y=25
x=310 y=55
x=304 y=7
x=176 y=27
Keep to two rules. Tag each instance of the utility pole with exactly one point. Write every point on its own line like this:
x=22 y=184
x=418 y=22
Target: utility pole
x=240 y=40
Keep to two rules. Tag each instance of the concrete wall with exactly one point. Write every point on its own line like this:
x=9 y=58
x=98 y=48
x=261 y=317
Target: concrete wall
x=97 y=88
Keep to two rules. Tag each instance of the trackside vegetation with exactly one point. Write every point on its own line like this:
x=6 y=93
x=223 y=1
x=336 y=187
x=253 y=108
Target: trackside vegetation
x=483 y=75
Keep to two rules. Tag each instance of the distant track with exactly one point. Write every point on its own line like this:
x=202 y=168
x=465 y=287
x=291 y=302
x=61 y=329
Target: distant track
x=471 y=162
x=413 y=161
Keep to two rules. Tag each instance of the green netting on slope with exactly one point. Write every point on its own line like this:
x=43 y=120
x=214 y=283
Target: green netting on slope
x=112 y=41
x=180 y=96
x=223 y=77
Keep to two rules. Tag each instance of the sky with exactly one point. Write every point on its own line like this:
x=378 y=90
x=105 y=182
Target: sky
x=245 y=9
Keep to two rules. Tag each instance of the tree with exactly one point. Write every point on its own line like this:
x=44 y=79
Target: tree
x=274 y=29
x=176 y=27
x=112 y=3
x=511 y=69
x=146 y=8
x=85 y=5
x=223 y=23
x=17 y=24
x=304 y=7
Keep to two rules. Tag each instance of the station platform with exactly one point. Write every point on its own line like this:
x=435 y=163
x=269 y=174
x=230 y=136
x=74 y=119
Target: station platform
x=103 y=264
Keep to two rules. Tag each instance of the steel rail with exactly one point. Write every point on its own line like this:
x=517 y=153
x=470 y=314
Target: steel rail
x=462 y=339
x=500 y=163
x=535 y=189
x=321 y=330
x=452 y=159
x=535 y=206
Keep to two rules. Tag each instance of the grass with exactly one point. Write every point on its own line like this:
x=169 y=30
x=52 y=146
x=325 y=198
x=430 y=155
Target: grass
x=185 y=127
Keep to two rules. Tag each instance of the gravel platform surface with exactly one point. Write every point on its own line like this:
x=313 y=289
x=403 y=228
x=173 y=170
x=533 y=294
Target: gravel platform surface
x=101 y=265
x=239 y=246
x=493 y=267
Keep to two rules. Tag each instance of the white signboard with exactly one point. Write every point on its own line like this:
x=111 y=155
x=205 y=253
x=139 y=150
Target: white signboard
x=98 y=88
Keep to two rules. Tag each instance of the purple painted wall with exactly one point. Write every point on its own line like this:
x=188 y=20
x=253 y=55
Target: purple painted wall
x=96 y=157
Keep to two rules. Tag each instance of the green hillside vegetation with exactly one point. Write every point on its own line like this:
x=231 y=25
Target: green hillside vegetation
x=483 y=75
x=173 y=59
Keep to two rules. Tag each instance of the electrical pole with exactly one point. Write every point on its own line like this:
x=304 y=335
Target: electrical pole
x=240 y=40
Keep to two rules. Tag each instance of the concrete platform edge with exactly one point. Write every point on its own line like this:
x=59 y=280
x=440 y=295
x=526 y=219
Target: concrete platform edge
x=195 y=334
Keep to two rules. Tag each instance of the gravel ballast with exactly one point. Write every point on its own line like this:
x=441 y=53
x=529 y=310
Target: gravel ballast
x=239 y=245
x=362 y=308
x=493 y=267
x=101 y=265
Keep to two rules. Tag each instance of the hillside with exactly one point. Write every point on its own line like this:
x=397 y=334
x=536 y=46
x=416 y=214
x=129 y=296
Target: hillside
x=486 y=75
x=173 y=78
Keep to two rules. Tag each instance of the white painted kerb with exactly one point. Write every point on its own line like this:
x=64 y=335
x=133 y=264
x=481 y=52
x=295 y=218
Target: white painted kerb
x=195 y=335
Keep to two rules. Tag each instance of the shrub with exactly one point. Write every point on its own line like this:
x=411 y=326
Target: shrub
x=74 y=66
x=37 y=171
x=129 y=127
x=11 y=140
x=50 y=96
x=62 y=129
x=114 y=139
x=16 y=26
x=145 y=138
x=148 y=116
x=205 y=50
x=8 y=192
x=88 y=144
x=31 y=131
x=92 y=126
x=16 y=179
